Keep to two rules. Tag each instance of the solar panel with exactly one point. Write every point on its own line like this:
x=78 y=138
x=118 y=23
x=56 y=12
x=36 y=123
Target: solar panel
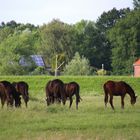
x=38 y=60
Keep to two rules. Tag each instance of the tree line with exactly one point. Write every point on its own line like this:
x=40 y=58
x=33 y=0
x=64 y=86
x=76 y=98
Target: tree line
x=113 y=40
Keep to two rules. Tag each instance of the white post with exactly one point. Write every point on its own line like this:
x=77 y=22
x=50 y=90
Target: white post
x=102 y=66
x=102 y=69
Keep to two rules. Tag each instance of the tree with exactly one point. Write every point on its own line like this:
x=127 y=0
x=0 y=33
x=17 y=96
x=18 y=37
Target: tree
x=108 y=19
x=136 y=4
x=90 y=44
x=56 y=39
x=105 y=22
x=78 y=66
x=124 y=37
x=12 y=49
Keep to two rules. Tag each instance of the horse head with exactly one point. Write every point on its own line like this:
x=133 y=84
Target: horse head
x=133 y=100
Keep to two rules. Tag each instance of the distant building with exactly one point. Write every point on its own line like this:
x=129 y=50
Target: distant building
x=37 y=59
x=136 y=66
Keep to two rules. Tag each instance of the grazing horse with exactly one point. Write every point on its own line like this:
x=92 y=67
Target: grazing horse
x=55 y=92
x=10 y=94
x=113 y=88
x=71 y=89
x=22 y=88
x=4 y=96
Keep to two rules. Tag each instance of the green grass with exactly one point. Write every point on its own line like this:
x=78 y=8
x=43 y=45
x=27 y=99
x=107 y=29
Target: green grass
x=91 y=121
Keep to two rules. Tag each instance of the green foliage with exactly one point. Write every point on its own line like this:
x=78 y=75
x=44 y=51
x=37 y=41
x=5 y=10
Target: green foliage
x=101 y=72
x=108 y=19
x=13 y=48
x=124 y=36
x=90 y=43
x=113 y=41
x=136 y=4
x=39 y=71
x=56 y=39
x=78 y=66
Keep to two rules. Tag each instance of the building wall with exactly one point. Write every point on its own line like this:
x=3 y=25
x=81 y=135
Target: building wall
x=136 y=71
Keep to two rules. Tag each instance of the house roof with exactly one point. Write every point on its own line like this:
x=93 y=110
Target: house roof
x=38 y=59
x=137 y=62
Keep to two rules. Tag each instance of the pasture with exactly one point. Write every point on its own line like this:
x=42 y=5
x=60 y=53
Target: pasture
x=57 y=122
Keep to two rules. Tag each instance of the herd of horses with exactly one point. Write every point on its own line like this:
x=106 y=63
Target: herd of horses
x=11 y=92
x=57 y=91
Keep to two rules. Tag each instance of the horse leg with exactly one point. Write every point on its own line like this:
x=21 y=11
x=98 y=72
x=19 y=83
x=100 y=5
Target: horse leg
x=111 y=102
x=122 y=102
x=63 y=98
x=26 y=104
x=2 y=102
x=77 y=100
x=70 y=102
x=106 y=99
x=48 y=101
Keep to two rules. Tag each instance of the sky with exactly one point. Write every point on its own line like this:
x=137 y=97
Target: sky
x=39 y=12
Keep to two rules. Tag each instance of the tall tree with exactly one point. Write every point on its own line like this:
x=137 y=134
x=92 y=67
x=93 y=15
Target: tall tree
x=56 y=39
x=125 y=38
x=90 y=44
x=108 y=19
x=14 y=47
x=105 y=22
x=136 y=4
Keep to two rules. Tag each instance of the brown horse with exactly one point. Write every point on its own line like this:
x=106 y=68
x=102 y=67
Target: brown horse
x=113 y=88
x=55 y=92
x=71 y=89
x=5 y=97
x=22 y=88
x=9 y=93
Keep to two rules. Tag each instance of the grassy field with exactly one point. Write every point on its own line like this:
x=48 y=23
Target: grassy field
x=57 y=122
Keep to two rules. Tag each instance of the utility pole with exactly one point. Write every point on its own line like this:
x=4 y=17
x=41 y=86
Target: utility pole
x=56 y=65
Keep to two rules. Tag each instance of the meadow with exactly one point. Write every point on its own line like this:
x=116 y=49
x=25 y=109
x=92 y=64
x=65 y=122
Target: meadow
x=91 y=121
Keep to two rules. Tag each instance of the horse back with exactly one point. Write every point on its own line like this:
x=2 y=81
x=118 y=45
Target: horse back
x=115 y=88
x=22 y=87
x=71 y=88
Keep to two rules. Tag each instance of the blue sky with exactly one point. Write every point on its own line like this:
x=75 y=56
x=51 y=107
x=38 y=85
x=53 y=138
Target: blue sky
x=38 y=12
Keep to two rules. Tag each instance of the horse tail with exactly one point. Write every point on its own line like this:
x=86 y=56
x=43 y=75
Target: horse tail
x=78 y=98
x=105 y=94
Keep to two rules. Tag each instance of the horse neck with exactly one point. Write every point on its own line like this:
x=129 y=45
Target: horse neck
x=131 y=93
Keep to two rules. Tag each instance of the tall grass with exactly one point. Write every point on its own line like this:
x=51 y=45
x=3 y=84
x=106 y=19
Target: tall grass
x=91 y=121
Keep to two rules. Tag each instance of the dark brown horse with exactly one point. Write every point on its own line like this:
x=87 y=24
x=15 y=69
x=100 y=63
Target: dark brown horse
x=71 y=89
x=9 y=94
x=113 y=88
x=5 y=97
x=22 y=88
x=55 y=92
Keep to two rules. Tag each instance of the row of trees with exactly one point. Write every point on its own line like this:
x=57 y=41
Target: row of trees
x=113 y=40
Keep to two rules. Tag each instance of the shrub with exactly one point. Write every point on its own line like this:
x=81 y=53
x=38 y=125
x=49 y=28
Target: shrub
x=78 y=66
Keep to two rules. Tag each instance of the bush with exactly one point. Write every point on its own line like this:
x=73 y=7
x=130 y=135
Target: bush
x=101 y=72
x=78 y=66
x=38 y=71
